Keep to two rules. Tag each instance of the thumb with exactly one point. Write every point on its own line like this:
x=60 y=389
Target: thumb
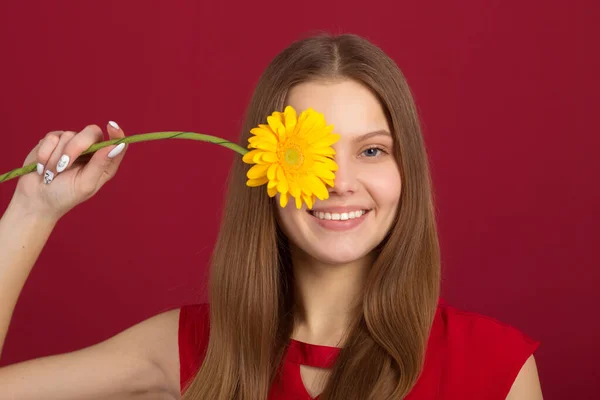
x=105 y=162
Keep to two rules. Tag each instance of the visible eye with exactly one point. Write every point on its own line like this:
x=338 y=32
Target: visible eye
x=373 y=151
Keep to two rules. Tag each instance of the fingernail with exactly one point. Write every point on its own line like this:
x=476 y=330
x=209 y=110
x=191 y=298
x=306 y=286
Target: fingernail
x=116 y=151
x=114 y=124
x=40 y=169
x=48 y=176
x=62 y=163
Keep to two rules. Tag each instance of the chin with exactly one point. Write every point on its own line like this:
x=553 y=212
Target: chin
x=337 y=255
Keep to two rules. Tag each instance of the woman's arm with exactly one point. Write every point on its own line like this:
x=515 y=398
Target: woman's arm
x=22 y=237
x=527 y=384
x=142 y=362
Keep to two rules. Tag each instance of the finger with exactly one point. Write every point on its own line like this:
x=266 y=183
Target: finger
x=55 y=153
x=115 y=132
x=76 y=145
x=32 y=157
x=105 y=162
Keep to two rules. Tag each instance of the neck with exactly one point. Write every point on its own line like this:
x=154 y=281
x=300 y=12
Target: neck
x=325 y=297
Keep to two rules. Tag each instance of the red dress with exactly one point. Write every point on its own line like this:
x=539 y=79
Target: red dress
x=469 y=356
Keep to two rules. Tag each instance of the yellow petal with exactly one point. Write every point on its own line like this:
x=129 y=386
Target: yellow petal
x=309 y=200
x=323 y=172
x=305 y=187
x=328 y=181
x=326 y=162
x=264 y=145
x=318 y=188
x=272 y=183
x=319 y=134
x=290 y=118
x=327 y=141
x=306 y=122
x=276 y=123
x=271 y=191
x=271 y=172
x=315 y=121
x=324 y=151
x=265 y=134
x=257 y=171
x=247 y=158
x=295 y=189
x=255 y=139
x=303 y=115
x=257 y=182
x=280 y=173
x=269 y=157
x=258 y=157
x=282 y=186
x=298 y=202
x=283 y=199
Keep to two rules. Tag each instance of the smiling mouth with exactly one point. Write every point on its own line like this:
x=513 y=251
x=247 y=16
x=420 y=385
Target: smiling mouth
x=343 y=216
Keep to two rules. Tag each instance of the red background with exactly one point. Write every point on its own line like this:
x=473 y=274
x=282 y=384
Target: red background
x=506 y=91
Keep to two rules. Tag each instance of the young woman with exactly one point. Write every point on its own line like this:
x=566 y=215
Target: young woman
x=338 y=302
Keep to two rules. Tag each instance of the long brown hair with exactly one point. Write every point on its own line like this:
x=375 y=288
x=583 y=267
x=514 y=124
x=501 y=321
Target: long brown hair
x=251 y=303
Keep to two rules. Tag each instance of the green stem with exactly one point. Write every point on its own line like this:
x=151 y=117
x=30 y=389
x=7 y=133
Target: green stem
x=144 y=137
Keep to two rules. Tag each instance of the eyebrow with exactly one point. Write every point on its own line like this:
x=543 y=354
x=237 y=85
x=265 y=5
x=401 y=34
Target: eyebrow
x=366 y=136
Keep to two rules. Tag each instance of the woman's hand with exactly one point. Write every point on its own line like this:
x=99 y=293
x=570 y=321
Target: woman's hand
x=64 y=178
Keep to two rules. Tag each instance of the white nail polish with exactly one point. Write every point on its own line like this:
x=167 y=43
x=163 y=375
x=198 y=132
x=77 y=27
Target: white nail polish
x=48 y=177
x=116 y=151
x=62 y=163
x=114 y=124
x=40 y=169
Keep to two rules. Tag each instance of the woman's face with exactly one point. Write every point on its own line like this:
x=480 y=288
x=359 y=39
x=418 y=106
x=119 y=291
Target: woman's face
x=362 y=204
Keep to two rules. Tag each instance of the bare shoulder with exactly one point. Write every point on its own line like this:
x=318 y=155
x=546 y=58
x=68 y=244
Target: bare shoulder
x=527 y=384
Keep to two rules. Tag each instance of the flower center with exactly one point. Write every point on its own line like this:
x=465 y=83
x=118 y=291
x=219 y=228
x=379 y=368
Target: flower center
x=293 y=156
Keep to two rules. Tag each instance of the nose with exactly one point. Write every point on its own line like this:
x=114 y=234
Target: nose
x=345 y=182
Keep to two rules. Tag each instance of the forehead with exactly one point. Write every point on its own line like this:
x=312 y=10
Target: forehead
x=351 y=107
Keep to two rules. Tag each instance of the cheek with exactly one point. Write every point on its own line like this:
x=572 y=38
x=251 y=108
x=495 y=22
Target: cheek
x=287 y=217
x=385 y=186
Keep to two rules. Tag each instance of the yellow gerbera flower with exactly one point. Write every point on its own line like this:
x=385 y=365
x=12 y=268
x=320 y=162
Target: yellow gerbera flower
x=293 y=156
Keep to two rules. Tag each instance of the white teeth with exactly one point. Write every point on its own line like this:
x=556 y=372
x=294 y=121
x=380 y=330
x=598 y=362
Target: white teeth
x=338 y=216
